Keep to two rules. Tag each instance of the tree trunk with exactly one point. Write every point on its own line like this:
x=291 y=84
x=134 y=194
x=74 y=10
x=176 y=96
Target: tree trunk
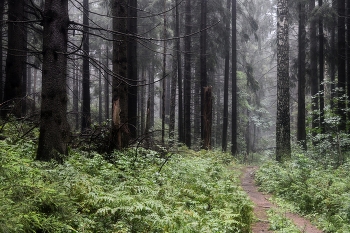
x=234 y=80
x=203 y=71
x=163 y=103
x=301 y=129
x=120 y=130
x=226 y=78
x=86 y=109
x=76 y=96
x=100 y=91
x=132 y=68
x=151 y=93
x=332 y=66
x=348 y=57
x=187 y=75
x=54 y=128
x=313 y=72
x=341 y=64
x=141 y=101
x=173 y=90
x=179 y=75
x=208 y=100
x=283 y=147
x=107 y=83
x=321 y=65
x=2 y=5
x=15 y=57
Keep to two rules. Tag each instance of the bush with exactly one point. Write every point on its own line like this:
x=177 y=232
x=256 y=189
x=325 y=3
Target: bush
x=312 y=189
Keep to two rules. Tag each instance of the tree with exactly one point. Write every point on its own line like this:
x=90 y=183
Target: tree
x=226 y=79
x=187 y=74
x=341 y=64
x=348 y=57
x=174 y=80
x=86 y=109
x=54 y=128
x=234 y=79
x=321 y=65
x=15 y=57
x=120 y=131
x=301 y=128
x=313 y=69
x=179 y=73
x=205 y=131
x=132 y=67
x=283 y=147
x=2 y=4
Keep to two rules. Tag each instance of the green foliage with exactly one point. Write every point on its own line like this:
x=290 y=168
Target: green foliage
x=312 y=189
x=197 y=192
x=280 y=223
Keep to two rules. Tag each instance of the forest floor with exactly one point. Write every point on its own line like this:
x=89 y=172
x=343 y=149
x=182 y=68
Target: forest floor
x=262 y=205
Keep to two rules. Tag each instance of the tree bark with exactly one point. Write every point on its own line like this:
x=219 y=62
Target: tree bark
x=283 y=147
x=54 y=128
x=86 y=108
x=15 y=57
x=301 y=128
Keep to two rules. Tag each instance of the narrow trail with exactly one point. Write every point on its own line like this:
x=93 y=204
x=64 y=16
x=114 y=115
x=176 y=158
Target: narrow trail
x=262 y=204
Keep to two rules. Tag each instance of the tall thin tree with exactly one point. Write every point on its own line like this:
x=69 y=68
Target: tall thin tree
x=86 y=108
x=203 y=71
x=341 y=63
x=187 y=73
x=2 y=5
x=132 y=67
x=179 y=74
x=234 y=79
x=321 y=67
x=301 y=128
x=226 y=79
x=313 y=69
x=283 y=146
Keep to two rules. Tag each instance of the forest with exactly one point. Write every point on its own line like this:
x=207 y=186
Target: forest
x=175 y=116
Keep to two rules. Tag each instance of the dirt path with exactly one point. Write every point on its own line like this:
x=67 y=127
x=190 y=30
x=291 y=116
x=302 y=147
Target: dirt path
x=262 y=204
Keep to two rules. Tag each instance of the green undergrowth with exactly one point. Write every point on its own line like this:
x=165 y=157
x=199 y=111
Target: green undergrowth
x=280 y=223
x=195 y=192
x=321 y=193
